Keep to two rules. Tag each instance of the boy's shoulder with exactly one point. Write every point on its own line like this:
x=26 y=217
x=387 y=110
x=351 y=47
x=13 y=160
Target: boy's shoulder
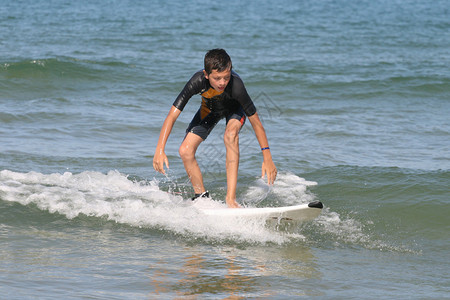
x=197 y=83
x=236 y=80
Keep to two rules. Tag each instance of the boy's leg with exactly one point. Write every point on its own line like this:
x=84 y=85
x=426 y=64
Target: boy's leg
x=197 y=131
x=187 y=152
x=231 y=140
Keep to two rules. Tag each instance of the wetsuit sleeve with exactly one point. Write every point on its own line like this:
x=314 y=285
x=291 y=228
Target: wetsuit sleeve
x=240 y=94
x=193 y=86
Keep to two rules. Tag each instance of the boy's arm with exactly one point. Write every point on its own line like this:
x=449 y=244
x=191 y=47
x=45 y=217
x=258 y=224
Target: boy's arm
x=160 y=157
x=268 y=167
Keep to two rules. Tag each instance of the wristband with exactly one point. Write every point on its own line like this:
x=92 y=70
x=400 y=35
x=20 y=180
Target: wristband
x=265 y=148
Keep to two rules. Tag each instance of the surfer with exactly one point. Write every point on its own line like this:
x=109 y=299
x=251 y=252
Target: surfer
x=223 y=96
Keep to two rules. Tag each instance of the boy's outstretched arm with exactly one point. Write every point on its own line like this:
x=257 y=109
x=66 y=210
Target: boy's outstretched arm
x=160 y=157
x=268 y=167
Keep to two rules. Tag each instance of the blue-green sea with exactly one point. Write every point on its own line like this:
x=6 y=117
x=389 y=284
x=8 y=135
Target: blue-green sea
x=355 y=100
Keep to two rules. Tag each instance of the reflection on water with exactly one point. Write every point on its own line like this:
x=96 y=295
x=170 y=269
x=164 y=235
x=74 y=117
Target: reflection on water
x=234 y=273
x=158 y=279
x=221 y=275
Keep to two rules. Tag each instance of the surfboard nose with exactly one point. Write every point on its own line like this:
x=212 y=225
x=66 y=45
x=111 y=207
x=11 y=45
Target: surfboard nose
x=315 y=204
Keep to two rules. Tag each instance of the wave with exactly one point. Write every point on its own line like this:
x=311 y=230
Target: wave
x=114 y=197
x=62 y=68
x=141 y=204
x=64 y=76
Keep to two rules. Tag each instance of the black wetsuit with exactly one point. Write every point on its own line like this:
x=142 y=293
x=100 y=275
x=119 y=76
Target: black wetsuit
x=233 y=103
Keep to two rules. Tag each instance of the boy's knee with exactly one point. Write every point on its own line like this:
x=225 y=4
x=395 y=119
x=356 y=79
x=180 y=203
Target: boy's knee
x=185 y=152
x=231 y=136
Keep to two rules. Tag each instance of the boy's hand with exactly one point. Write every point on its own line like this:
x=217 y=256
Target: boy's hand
x=159 y=160
x=268 y=167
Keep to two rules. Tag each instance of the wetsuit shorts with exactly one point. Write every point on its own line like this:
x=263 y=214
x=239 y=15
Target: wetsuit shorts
x=203 y=127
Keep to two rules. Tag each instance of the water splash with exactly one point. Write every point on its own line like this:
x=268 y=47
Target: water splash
x=136 y=203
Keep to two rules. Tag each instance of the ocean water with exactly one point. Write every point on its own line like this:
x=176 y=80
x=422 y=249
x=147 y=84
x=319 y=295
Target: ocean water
x=355 y=99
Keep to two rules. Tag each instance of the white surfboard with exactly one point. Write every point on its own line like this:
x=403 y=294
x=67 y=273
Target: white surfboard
x=297 y=213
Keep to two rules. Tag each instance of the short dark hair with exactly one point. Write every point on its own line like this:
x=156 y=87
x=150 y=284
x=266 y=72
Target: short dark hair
x=217 y=59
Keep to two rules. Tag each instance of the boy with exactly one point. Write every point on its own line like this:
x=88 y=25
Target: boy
x=223 y=96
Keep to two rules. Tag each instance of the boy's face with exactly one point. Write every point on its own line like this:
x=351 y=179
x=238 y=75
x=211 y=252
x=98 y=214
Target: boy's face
x=218 y=80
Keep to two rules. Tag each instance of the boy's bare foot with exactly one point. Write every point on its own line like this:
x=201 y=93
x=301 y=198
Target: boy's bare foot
x=232 y=204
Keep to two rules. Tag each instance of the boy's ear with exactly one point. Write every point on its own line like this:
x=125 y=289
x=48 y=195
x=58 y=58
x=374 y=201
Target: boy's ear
x=206 y=74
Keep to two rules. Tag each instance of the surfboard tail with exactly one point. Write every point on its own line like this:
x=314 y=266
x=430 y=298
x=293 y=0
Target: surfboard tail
x=315 y=204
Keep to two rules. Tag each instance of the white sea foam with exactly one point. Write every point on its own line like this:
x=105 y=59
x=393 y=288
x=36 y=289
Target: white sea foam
x=289 y=187
x=142 y=204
